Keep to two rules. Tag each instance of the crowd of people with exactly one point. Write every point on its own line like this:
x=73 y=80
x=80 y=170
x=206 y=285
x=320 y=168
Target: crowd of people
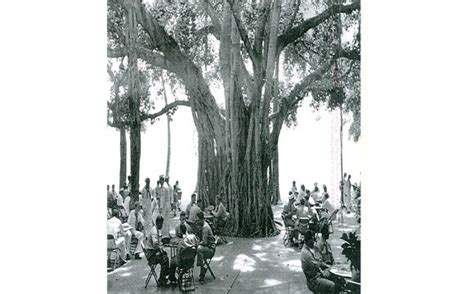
x=148 y=220
x=306 y=206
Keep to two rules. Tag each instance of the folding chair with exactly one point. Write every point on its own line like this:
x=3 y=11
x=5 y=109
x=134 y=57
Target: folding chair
x=186 y=269
x=219 y=226
x=133 y=245
x=288 y=229
x=148 y=254
x=112 y=249
x=207 y=261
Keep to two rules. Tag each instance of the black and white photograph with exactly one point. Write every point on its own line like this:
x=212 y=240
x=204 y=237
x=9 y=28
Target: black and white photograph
x=211 y=107
x=245 y=146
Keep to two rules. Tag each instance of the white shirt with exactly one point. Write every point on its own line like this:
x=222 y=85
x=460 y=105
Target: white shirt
x=193 y=213
x=126 y=204
x=132 y=219
x=114 y=227
x=119 y=200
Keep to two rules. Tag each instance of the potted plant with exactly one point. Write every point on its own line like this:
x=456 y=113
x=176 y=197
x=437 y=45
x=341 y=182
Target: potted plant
x=351 y=250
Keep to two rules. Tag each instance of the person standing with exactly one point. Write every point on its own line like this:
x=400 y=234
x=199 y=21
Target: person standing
x=301 y=194
x=147 y=197
x=190 y=204
x=165 y=192
x=294 y=190
x=347 y=192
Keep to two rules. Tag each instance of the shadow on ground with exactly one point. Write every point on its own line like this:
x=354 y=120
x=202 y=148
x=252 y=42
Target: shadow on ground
x=242 y=265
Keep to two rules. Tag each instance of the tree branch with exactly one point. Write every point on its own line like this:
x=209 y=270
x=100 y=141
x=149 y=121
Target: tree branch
x=298 y=31
x=216 y=22
x=165 y=109
x=243 y=33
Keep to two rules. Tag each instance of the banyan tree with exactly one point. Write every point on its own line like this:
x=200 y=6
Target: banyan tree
x=241 y=45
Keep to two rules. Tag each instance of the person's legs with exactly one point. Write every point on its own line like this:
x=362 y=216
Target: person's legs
x=173 y=266
x=128 y=240
x=139 y=235
x=164 y=263
x=324 y=286
x=120 y=242
x=203 y=253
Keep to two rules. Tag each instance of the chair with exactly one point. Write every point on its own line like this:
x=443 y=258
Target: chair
x=288 y=229
x=186 y=269
x=112 y=249
x=148 y=254
x=133 y=244
x=208 y=260
x=219 y=226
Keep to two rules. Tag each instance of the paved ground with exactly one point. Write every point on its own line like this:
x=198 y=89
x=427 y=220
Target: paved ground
x=243 y=265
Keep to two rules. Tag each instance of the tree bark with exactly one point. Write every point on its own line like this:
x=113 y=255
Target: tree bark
x=123 y=157
x=133 y=104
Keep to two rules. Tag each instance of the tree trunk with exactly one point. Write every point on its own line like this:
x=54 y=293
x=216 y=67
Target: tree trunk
x=168 y=120
x=123 y=157
x=134 y=105
x=275 y=177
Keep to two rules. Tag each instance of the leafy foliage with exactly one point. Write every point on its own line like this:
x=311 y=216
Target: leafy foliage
x=351 y=248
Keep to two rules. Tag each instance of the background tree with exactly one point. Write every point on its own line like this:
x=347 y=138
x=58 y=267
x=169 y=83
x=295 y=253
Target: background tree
x=237 y=143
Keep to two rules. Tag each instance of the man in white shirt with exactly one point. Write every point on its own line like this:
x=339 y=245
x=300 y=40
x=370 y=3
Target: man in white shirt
x=167 y=200
x=194 y=210
x=114 y=228
x=126 y=201
x=136 y=221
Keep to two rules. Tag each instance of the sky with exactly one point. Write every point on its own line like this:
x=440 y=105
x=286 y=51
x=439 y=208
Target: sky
x=308 y=152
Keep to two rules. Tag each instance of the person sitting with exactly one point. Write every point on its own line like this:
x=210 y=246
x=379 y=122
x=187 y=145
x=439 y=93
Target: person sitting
x=327 y=208
x=115 y=228
x=135 y=221
x=220 y=214
x=314 y=268
x=182 y=221
x=190 y=204
x=189 y=240
x=195 y=209
x=157 y=254
x=302 y=210
x=207 y=246
x=324 y=247
x=301 y=194
x=289 y=210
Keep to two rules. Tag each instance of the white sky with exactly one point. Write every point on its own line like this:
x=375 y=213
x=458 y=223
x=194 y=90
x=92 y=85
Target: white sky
x=307 y=145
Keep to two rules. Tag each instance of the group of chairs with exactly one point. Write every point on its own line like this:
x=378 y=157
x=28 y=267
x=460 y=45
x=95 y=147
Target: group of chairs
x=304 y=224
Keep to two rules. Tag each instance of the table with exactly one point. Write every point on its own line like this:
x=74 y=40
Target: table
x=340 y=272
x=173 y=246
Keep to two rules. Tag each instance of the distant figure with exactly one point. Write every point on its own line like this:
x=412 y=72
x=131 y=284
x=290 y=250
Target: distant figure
x=177 y=195
x=111 y=202
x=294 y=190
x=289 y=210
x=315 y=194
x=326 y=206
x=347 y=191
x=126 y=201
x=147 y=196
x=195 y=209
x=188 y=207
x=219 y=211
x=301 y=194
x=158 y=195
x=166 y=206
x=314 y=269
x=302 y=210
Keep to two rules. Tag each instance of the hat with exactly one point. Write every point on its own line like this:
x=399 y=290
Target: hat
x=162 y=177
x=292 y=196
